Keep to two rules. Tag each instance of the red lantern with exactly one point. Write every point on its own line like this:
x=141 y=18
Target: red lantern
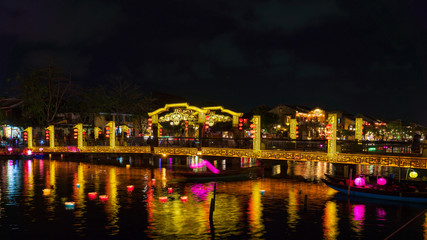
x=252 y=125
x=47 y=134
x=25 y=136
x=240 y=119
x=130 y=188
x=107 y=132
x=103 y=198
x=92 y=195
x=328 y=126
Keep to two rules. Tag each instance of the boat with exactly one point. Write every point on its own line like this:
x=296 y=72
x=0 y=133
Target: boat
x=402 y=193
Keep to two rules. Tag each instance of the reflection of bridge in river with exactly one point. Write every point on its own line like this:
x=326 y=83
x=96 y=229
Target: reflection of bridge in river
x=343 y=158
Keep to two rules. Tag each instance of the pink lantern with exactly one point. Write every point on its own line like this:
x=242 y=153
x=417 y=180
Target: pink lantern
x=381 y=181
x=184 y=198
x=130 y=188
x=359 y=181
x=92 y=195
x=170 y=190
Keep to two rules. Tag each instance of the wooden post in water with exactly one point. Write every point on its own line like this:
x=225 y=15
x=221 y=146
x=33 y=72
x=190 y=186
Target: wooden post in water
x=349 y=182
x=212 y=207
x=305 y=202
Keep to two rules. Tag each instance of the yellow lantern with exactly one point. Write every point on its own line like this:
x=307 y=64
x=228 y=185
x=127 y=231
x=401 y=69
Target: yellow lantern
x=413 y=174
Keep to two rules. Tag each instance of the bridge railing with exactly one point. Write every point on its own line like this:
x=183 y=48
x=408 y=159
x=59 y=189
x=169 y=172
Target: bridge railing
x=242 y=143
x=295 y=145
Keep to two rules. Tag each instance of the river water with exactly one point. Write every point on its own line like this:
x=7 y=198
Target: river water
x=269 y=205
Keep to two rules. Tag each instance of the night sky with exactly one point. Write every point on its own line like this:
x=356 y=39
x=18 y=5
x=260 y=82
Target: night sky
x=365 y=57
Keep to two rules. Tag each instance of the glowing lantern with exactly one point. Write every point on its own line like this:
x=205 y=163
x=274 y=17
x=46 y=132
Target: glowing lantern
x=76 y=133
x=328 y=126
x=29 y=152
x=170 y=190
x=163 y=199
x=153 y=180
x=184 y=198
x=359 y=181
x=92 y=195
x=130 y=188
x=381 y=181
x=107 y=132
x=9 y=149
x=127 y=165
x=47 y=134
x=413 y=174
x=103 y=197
x=240 y=119
x=25 y=136
x=69 y=205
x=46 y=192
x=252 y=125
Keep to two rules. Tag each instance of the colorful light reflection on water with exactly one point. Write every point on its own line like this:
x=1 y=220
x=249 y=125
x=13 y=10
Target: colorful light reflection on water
x=241 y=210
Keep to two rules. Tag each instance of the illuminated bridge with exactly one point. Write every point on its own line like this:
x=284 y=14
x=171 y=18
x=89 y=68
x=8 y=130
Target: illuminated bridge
x=194 y=124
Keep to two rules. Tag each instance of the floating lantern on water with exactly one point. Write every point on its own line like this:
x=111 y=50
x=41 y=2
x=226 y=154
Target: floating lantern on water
x=46 y=192
x=163 y=199
x=78 y=185
x=381 y=181
x=359 y=181
x=170 y=190
x=69 y=205
x=92 y=195
x=262 y=192
x=130 y=188
x=103 y=197
x=184 y=198
x=413 y=174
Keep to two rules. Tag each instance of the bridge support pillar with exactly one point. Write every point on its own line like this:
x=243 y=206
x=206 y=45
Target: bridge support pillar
x=29 y=131
x=51 y=130
x=359 y=129
x=332 y=141
x=96 y=131
x=257 y=134
x=79 y=128
x=112 y=125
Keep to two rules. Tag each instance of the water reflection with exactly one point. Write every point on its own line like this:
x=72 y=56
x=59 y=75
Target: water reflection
x=292 y=208
x=358 y=218
x=112 y=207
x=330 y=221
x=240 y=211
x=255 y=208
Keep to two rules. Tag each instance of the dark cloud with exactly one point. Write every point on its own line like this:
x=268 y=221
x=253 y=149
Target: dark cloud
x=359 y=56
